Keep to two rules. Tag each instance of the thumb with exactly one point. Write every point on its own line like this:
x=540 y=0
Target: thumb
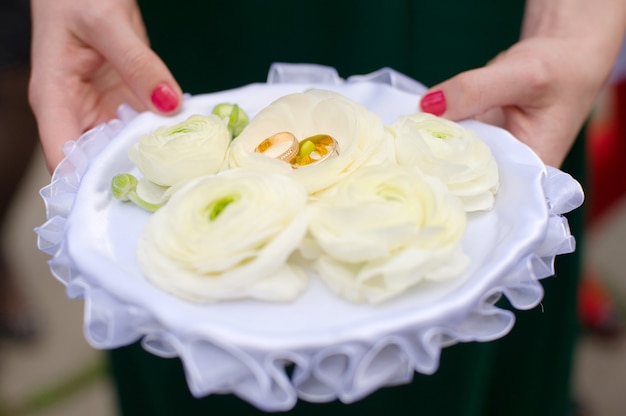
x=473 y=93
x=141 y=69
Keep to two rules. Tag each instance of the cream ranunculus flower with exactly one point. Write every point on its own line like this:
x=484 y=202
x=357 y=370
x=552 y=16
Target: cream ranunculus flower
x=360 y=133
x=383 y=230
x=445 y=149
x=228 y=236
x=173 y=154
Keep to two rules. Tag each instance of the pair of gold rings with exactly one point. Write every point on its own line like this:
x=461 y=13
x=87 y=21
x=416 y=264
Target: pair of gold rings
x=310 y=151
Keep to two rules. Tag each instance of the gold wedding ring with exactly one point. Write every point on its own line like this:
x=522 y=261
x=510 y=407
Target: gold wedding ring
x=308 y=152
x=316 y=149
x=288 y=155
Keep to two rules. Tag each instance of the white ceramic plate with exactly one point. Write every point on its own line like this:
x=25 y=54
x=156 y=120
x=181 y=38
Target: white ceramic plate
x=92 y=238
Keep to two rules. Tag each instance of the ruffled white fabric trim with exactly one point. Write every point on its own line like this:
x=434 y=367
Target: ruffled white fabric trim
x=346 y=370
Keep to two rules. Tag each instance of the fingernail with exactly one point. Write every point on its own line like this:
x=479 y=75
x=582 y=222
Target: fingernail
x=164 y=98
x=434 y=103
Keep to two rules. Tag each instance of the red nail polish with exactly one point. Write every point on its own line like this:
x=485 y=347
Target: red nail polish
x=434 y=103
x=164 y=98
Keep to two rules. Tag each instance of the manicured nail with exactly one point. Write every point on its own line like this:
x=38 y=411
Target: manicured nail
x=434 y=103
x=164 y=98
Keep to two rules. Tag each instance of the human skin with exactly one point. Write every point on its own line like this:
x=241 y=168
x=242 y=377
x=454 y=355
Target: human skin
x=543 y=87
x=89 y=56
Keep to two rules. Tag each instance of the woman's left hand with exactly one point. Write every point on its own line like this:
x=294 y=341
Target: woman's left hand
x=541 y=89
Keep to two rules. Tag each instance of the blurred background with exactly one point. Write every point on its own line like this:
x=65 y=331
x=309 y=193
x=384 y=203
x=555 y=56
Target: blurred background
x=46 y=366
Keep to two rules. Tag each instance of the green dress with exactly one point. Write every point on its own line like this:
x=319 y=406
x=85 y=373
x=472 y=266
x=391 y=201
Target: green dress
x=211 y=46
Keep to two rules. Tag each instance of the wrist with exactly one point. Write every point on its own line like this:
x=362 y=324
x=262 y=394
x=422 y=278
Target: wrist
x=592 y=29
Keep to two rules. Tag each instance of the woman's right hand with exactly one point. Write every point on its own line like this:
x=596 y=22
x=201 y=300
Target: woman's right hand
x=88 y=57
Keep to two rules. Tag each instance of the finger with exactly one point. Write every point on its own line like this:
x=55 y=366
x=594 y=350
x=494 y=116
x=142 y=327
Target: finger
x=141 y=69
x=478 y=91
x=55 y=120
x=64 y=113
x=56 y=128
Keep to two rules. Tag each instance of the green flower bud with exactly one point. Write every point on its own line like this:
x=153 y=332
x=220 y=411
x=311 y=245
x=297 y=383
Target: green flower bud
x=237 y=118
x=124 y=188
x=122 y=185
